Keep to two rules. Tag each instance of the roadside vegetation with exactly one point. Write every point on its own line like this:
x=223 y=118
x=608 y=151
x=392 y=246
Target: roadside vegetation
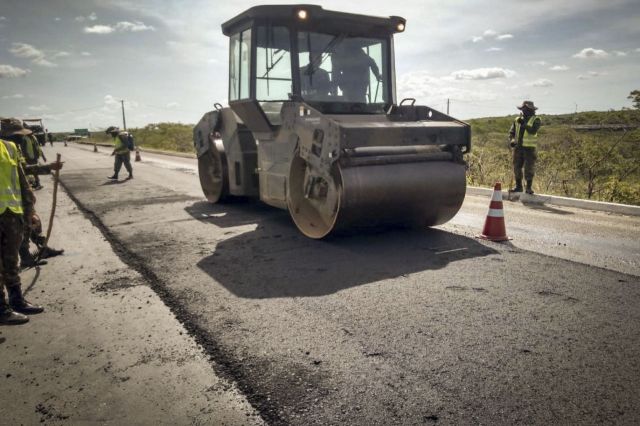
x=599 y=165
x=163 y=136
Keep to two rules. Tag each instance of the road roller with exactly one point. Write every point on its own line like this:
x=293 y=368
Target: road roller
x=313 y=126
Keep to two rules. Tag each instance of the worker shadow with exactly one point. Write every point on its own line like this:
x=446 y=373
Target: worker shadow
x=542 y=207
x=113 y=182
x=274 y=260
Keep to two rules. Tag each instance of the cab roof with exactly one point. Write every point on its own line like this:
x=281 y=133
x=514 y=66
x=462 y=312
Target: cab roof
x=328 y=21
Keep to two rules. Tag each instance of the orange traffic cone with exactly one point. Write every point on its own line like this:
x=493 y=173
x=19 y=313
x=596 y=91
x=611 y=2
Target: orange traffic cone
x=138 y=155
x=494 y=228
x=95 y=147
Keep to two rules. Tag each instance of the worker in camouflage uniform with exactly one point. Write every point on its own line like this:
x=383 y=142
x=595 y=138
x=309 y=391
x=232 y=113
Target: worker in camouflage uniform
x=16 y=209
x=523 y=136
x=121 y=151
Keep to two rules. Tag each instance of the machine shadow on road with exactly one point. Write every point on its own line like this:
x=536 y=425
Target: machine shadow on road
x=275 y=260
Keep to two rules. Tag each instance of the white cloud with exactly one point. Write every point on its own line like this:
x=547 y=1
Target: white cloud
x=490 y=33
x=37 y=108
x=591 y=53
x=61 y=54
x=582 y=77
x=44 y=63
x=502 y=37
x=16 y=96
x=122 y=27
x=476 y=39
x=111 y=101
x=434 y=91
x=596 y=74
x=638 y=49
x=99 y=29
x=27 y=51
x=559 y=68
x=92 y=17
x=57 y=19
x=541 y=82
x=482 y=74
x=3 y=18
x=135 y=26
x=24 y=50
x=619 y=53
x=494 y=49
x=85 y=53
x=8 y=71
x=541 y=63
x=172 y=105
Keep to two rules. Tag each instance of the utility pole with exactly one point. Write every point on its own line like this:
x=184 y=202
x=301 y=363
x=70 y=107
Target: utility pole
x=124 y=122
x=447 y=106
x=576 y=108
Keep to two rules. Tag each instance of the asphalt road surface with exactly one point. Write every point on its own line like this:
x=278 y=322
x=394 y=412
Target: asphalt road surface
x=395 y=327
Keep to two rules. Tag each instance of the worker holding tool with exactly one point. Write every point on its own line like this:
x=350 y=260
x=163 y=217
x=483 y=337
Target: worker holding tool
x=16 y=209
x=121 y=151
x=30 y=233
x=523 y=136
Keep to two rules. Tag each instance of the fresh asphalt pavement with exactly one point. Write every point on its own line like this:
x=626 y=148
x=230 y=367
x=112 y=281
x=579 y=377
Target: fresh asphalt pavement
x=394 y=327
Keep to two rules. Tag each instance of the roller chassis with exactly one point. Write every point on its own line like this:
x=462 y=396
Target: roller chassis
x=334 y=162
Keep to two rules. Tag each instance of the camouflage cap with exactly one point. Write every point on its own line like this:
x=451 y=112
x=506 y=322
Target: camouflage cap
x=528 y=105
x=12 y=126
x=112 y=129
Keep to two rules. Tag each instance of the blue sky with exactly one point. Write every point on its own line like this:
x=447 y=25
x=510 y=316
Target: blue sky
x=71 y=62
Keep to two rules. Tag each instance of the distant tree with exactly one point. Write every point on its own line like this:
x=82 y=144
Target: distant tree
x=635 y=98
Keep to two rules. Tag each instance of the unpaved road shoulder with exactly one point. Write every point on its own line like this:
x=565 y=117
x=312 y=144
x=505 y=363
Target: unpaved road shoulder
x=106 y=350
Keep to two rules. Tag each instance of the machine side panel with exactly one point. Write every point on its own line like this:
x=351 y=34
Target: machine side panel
x=241 y=154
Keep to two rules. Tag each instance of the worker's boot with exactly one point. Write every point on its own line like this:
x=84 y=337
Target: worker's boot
x=530 y=186
x=50 y=252
x=114 y=177
x=130 y=176
x=27 y=260
x=9 y=317
x=518 y=187
x=19 y=304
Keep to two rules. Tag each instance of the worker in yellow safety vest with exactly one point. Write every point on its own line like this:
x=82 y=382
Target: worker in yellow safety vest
x=16 y=210
x=523 y=137
x=121 y=151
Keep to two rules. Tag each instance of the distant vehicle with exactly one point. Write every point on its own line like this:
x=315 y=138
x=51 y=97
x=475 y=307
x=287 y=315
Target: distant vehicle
x=38 y=129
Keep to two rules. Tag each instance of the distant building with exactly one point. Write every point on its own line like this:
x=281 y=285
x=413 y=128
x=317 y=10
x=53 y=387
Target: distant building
x=81 y=132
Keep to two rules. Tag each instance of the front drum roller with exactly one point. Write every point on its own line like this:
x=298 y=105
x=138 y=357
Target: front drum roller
x=213 y=172
x=417 y=194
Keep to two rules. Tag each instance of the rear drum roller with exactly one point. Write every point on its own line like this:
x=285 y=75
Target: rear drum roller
x=214 y=176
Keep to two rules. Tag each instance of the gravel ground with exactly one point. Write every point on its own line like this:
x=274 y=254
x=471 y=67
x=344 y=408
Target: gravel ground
x=106 y=350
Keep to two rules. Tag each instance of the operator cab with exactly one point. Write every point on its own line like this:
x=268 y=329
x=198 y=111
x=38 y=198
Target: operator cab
x=338 y=63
